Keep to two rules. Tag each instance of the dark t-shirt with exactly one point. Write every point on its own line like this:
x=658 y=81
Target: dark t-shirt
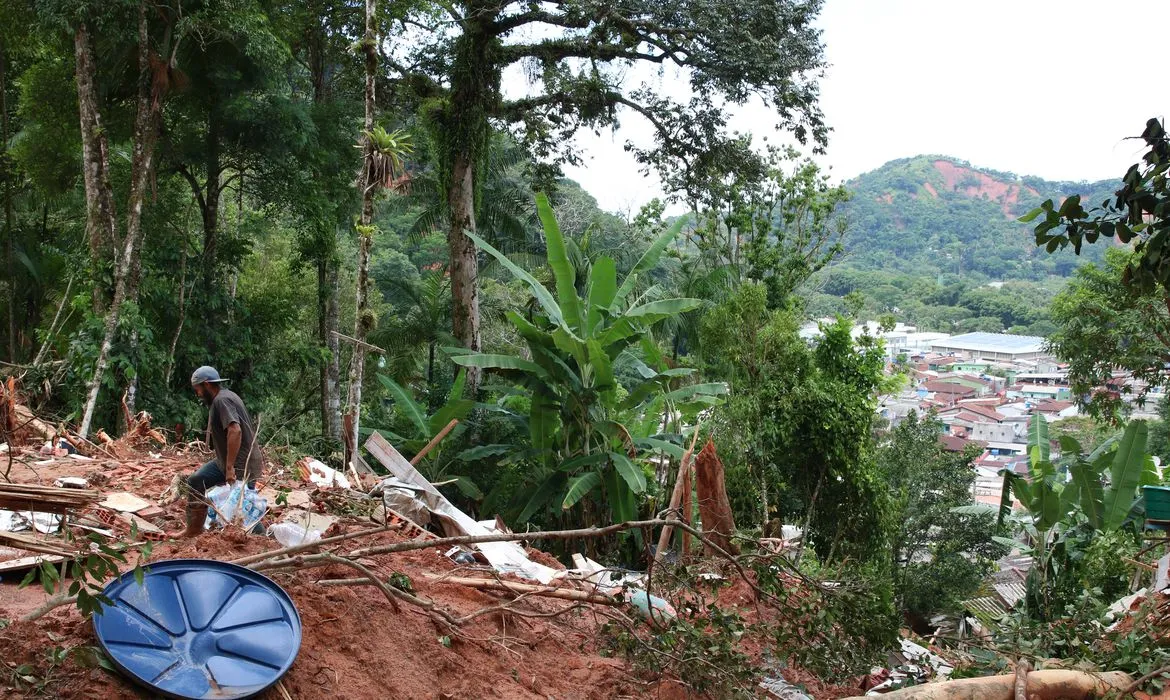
x=227 y=408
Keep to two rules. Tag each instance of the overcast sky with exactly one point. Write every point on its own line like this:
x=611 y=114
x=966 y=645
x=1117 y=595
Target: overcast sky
x=1035 y=87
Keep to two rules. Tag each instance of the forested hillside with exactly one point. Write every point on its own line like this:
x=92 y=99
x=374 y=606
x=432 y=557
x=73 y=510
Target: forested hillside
x=937 y=243
x=934 y=214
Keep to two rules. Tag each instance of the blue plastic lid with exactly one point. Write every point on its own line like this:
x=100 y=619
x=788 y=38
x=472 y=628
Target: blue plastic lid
x=199 y=628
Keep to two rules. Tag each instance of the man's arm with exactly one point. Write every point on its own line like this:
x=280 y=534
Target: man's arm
x=234 y=436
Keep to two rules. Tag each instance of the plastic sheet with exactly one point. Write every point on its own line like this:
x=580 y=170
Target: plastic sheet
x=226 y=501
x=291 y=534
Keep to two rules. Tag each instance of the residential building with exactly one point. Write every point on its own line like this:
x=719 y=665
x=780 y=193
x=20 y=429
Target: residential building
x=997 y=432
x=1055 y=410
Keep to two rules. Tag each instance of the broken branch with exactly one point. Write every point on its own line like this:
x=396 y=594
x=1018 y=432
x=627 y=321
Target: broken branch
x=528 y=589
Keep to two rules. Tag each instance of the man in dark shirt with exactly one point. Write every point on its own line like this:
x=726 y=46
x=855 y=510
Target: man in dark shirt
x=233 y=438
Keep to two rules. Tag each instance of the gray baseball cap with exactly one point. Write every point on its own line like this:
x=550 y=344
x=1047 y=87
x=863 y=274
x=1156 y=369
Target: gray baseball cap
x=206 y=374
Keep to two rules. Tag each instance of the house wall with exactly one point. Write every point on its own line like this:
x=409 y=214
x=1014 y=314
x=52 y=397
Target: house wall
x=995 y=432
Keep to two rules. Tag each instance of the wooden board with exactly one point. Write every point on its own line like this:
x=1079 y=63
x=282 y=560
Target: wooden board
x=25 y=563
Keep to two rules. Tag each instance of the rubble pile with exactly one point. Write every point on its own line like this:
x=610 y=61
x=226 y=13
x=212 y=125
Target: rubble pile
x=400 y=592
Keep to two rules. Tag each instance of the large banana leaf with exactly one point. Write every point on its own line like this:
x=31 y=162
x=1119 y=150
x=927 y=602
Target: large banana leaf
x=544 y=493
x=1125 y=474
x=580 y=486
x=479 y=452
x=456 y=407
x=1150 y=473
x=665 y=446
x=570 y=344
x=644 y=316
x=1046 y=498
x=528 y=331
x=1038 y=446
x=505 y=362
x=543 y=420
x=468 y=487
x=547 y=302
x=556 y=367
x=630 y=472
x=584 y=460
x=649 y=259
x=1086 y=483
x=602 y=367
x=1005 y=501
x=622 y=505
x=558 y=259
x=602 y=289
x=406 y=403
x=708 y=389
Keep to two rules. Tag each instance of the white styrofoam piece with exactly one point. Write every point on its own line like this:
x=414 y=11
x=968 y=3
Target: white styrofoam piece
x=322 y=474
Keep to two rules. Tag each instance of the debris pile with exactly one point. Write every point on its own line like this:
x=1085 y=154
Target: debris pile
x=385 y=571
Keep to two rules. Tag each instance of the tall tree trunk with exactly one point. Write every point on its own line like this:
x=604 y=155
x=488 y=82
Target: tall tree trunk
x=141 y=161
x=368 y=184
x=9 y=228
x=464 y=262
x=210 y=208
x=332 y=325
x=100 y=229
x=170 y=371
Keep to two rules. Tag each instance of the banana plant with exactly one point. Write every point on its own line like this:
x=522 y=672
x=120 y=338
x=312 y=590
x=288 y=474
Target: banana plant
x=1053 y=498
x=587 y=433
x=1049 y=496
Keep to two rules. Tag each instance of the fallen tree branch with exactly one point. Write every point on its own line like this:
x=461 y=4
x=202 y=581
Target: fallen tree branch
x=262 y=562
x=528 y=589
x=326 y=558
x=1142 y=681
x=1044 y=685
x=508 y=607
x=245 y=561
x=48 y=606
x=1022 y=668
x=370 y=576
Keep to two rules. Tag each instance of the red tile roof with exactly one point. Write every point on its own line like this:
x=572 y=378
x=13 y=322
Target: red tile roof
x=955 y=443
x=937 y=387
x=985 y=411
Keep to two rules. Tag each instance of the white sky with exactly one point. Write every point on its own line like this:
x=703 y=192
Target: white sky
x=1035 y=87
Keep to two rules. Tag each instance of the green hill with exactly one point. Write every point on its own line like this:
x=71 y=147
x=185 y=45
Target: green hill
x=935 y=214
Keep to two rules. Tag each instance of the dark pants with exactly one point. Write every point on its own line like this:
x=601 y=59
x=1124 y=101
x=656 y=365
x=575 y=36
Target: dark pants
x=207 y=477
x=201 y=480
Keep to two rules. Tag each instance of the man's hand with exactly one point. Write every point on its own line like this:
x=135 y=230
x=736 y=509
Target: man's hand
x=234 y=435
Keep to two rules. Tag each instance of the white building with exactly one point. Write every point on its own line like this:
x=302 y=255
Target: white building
x=992 y=346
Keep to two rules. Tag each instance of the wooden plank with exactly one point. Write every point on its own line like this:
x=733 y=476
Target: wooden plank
x=398 y=465
x=33 y=544
x=504 y=556
x=25 y=563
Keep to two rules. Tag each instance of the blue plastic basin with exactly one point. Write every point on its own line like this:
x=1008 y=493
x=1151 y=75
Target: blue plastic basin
x=198 y=628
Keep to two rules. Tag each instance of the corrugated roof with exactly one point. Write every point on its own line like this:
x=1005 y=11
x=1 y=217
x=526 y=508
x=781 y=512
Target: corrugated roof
x=1010 y=593
x=993 y=342
x=987 y=609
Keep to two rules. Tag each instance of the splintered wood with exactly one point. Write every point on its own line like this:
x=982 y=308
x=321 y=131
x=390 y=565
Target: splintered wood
x=33 y=544
x=45 y=499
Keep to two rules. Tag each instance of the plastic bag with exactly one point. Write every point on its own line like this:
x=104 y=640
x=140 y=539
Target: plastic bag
x=225 y=501
x=291 y=534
